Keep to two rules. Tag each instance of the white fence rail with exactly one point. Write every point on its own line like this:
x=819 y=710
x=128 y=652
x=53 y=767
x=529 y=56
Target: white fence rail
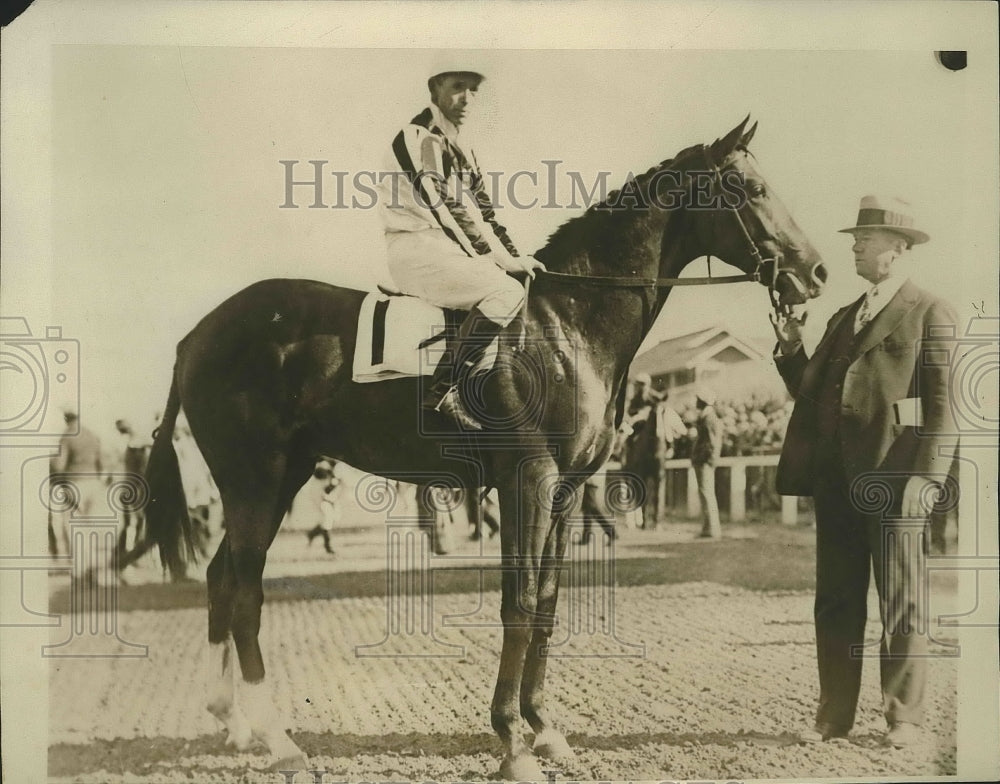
x=737 y=509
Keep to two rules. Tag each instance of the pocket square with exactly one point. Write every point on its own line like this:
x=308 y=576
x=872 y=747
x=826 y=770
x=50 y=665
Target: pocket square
x=908 y=413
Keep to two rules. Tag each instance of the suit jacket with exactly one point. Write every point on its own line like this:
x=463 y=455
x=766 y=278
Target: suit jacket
x=896 y=358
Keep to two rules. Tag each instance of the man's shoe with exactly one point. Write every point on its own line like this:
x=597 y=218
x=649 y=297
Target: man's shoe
x=451 y=406
x=822 y=732
x=904 y=735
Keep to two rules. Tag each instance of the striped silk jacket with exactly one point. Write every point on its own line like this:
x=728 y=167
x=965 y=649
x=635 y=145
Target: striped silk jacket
x=440 y=186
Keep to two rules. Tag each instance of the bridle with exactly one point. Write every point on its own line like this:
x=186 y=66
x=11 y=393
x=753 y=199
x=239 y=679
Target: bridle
x=760 y=263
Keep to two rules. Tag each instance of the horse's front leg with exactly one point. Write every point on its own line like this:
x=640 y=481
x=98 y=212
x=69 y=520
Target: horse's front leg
x=526 y=519
x=549 y=742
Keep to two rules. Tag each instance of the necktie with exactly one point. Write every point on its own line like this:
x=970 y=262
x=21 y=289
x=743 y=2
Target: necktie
x=865 y=311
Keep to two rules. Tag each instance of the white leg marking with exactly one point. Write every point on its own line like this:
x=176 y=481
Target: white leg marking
x=222 y=693
x=266 y=722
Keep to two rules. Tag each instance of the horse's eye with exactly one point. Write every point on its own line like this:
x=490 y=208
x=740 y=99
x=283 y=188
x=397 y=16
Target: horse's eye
x=757 y=190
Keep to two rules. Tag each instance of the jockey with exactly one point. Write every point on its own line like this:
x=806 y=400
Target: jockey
x=444 y=242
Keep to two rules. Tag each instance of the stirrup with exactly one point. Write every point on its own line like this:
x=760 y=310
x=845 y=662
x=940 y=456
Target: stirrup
x=452 y=406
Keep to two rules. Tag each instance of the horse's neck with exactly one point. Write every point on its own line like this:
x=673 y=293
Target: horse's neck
x=615 y=320
x=607 y=325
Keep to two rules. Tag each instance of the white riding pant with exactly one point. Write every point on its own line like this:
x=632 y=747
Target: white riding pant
x=428 y=265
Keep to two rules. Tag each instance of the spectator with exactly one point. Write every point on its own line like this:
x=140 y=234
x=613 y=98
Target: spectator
x=134 y=459
x=329 y=503
x=706 y=451
x=78 y=469
x=646 y=447
x=593 y=506
x=489 y=512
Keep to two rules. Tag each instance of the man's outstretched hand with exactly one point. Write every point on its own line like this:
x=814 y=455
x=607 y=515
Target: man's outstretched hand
x=788 y=330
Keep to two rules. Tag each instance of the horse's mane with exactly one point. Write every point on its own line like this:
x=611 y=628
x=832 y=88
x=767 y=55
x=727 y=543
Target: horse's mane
x=598 y=218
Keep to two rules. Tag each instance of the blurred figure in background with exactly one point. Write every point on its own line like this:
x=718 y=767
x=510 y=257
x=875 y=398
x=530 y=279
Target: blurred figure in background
x=489 y=512
x=706 y=450
x=77 y=466
x=134 y=459
x=644 y=448
x=593 y=506
x=329 y=502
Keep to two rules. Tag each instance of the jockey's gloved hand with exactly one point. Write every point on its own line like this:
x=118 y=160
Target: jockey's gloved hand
x=517 y=265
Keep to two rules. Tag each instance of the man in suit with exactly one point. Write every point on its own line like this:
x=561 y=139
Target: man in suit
x=643 y=453
x=871 y=416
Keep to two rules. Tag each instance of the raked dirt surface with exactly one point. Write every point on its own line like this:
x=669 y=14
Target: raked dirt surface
x=670 y=675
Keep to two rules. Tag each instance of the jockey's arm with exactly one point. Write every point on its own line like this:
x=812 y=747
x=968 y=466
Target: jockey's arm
x=450 y=205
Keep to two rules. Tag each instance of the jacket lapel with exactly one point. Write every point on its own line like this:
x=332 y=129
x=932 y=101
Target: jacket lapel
x=888 y=319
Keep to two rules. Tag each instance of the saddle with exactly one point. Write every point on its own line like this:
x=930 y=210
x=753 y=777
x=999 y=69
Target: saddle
x=402 y=336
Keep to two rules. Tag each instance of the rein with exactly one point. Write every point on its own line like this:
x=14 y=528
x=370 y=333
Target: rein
x=644 y=283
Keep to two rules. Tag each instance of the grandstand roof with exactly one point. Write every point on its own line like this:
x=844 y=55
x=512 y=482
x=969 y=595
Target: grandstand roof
x=693 y=349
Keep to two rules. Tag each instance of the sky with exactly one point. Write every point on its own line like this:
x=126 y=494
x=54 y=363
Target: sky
x=167 y=184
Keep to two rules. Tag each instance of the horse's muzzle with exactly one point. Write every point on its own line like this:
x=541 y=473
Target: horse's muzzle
x=790 y=288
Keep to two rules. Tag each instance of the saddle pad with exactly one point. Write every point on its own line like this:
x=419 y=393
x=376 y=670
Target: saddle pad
x=396 y=338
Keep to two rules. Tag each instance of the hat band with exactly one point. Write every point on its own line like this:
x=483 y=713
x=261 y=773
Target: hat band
x=870 y=217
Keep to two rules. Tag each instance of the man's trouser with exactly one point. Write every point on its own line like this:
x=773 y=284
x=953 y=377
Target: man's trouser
x=705 y=474
x=848 y=544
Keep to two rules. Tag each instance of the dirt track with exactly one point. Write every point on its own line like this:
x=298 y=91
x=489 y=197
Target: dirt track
x=727 y=677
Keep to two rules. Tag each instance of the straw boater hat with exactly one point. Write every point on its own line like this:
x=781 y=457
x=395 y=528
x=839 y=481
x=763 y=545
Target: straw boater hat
x=890 y=214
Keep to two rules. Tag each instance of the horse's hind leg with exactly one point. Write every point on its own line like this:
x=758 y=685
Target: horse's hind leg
x=252 y=525
x=221 y=667
x=258 y=704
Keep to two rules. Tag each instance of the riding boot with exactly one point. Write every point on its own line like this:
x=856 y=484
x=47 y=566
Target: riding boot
x=474 y=336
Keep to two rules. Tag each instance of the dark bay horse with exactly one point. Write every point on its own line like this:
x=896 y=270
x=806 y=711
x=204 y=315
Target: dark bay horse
x=265 y=382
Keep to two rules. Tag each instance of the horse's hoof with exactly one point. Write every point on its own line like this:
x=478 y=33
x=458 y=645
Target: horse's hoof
x=523 y=767
x=552 y=746
x=239 y=739
x=295 y=762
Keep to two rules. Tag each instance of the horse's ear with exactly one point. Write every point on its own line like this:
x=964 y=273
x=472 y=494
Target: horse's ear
x=745 y=140
x=721 y=148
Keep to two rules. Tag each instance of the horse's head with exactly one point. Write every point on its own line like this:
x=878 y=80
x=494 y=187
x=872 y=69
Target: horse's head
x=739 y=219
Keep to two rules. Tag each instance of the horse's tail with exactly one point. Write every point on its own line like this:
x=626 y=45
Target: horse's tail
x=168 y=524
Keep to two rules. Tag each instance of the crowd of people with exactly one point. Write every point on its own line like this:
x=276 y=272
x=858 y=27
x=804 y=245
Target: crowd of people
x=753 y=426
